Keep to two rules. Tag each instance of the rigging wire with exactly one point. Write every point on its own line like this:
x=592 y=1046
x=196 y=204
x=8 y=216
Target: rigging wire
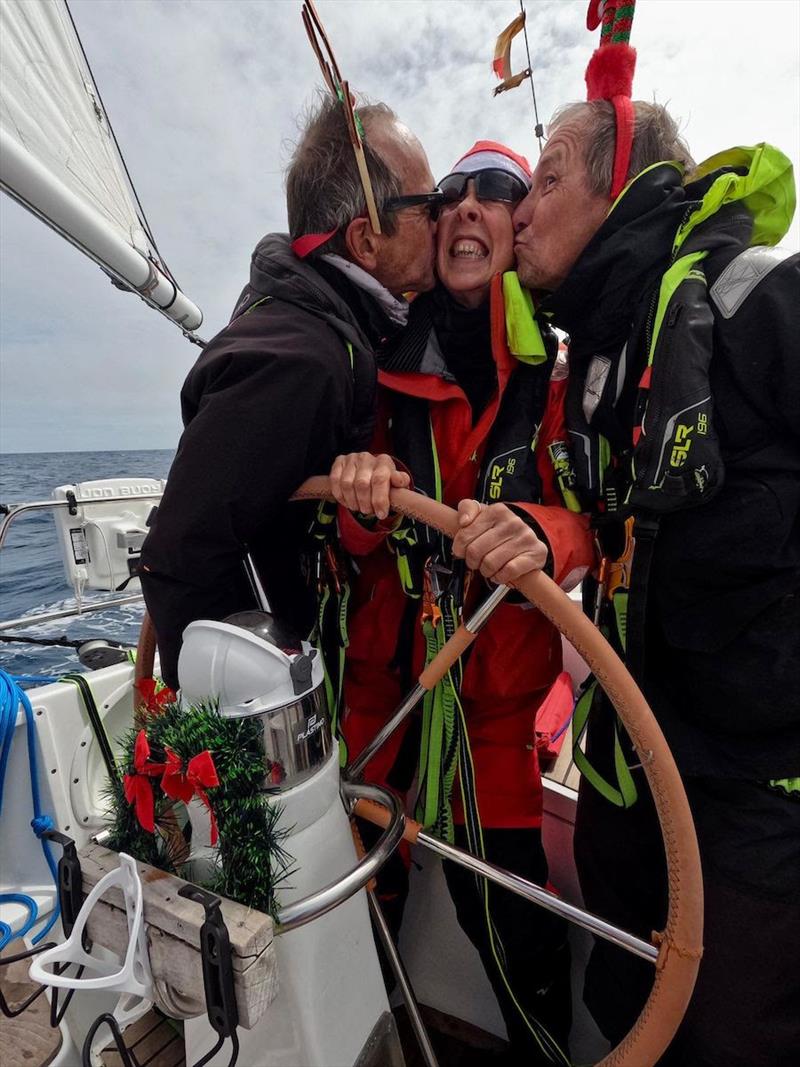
x=143 y=217
x=538 y=129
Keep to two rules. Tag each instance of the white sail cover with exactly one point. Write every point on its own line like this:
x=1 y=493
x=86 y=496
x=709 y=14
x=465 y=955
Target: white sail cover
x=59 y=157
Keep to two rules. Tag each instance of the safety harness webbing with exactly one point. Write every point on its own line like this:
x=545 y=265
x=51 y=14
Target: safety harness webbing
x=428 y=573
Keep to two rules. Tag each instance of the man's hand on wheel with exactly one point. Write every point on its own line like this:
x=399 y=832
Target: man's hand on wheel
x=361 y=482
x=496 y=542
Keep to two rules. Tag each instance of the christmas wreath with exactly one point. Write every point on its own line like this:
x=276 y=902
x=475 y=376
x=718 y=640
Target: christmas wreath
x=175 y=753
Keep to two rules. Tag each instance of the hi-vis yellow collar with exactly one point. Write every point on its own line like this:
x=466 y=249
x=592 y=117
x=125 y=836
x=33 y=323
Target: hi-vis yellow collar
x=523 y=335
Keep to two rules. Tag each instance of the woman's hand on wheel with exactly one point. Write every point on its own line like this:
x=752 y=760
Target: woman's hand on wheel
x=496 y=542
x=361 y=482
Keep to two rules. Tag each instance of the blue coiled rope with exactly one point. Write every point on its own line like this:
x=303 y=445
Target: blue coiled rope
x=11 y=697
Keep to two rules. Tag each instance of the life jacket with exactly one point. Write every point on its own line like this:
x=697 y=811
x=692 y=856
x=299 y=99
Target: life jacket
x=427 y=570
x=673 y=460
x=508 y=470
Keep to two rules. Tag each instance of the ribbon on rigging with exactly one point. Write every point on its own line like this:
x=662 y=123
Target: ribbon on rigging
x=501 y=64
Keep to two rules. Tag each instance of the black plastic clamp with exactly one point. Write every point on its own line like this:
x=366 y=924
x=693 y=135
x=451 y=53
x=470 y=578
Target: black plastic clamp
x=70 y=879
x=215 y=954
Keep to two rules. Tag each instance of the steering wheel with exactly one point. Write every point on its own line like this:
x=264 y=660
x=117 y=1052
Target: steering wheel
x=680 y=942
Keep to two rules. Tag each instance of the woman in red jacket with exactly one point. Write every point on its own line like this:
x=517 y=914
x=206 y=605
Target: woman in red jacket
x=469 y=407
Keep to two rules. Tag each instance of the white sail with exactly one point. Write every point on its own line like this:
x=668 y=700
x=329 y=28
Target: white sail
x=59 y=158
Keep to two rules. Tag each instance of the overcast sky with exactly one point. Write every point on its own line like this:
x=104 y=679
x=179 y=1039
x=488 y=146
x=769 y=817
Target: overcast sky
x=205 y=95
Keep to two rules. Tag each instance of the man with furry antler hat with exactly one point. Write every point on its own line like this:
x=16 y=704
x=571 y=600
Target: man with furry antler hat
x=682 y=410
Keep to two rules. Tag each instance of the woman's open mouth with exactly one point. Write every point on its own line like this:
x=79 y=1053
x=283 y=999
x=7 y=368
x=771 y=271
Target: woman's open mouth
x=468 y=248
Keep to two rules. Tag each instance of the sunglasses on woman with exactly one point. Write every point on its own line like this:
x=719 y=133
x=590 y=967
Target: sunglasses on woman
x=490 y=184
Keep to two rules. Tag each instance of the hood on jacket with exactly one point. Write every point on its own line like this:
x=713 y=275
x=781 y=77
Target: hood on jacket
x=277 y=272
x=758 y=179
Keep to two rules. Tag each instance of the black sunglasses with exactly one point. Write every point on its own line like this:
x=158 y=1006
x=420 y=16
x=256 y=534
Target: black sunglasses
x=432 y=201
x=490 y=184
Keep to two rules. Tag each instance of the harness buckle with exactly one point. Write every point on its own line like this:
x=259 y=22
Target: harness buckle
x=333 y=566
x=431 y=592
x=619 y=571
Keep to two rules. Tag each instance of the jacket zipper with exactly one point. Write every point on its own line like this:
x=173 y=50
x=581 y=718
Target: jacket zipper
x=651 y=314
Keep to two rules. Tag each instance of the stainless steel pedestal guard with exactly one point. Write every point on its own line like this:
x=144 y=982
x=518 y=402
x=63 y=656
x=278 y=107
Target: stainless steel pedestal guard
x=331 y=896
x=297 y=740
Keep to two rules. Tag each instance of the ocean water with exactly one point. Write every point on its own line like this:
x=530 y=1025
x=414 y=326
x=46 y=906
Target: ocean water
x=31 y=571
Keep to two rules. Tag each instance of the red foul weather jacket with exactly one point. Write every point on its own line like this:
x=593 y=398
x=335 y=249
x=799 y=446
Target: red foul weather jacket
x=517 y=656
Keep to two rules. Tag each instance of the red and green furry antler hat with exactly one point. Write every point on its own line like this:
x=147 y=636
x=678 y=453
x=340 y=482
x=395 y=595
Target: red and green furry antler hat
x=609 y=75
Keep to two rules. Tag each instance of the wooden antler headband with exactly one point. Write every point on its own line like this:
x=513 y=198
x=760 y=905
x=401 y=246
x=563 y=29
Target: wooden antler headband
x=341 y=90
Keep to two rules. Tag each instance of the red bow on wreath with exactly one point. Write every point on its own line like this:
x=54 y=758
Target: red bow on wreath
x=201 y=774
x=154 y=700
x=138 y=790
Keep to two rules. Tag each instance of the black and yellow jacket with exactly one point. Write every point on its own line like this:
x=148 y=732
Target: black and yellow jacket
x=684 y=410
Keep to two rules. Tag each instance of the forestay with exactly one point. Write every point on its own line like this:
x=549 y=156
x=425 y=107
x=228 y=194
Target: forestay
x=59 y=157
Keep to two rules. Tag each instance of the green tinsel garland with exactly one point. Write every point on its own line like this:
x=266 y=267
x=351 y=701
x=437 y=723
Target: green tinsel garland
x=251 y=860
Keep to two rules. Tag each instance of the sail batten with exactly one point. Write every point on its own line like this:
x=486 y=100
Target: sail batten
x=60 y=158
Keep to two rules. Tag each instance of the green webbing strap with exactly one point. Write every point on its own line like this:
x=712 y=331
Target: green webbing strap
x=437 y=470
x=404 y=542
x=623 y=795
x=316 y=638
x=344 y=641
x=330 y=632
x=322 y=528
x=96 y=722
x=332 y=628
x=438 y=758
x=620 y=604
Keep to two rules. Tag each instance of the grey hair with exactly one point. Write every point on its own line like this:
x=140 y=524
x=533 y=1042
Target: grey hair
x=655 y=138
x=323 y=187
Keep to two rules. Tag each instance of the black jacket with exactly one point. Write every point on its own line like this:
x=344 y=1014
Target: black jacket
x=271 y=401
x=722 y=645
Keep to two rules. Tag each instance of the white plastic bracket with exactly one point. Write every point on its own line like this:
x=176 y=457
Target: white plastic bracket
x=133 y=980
